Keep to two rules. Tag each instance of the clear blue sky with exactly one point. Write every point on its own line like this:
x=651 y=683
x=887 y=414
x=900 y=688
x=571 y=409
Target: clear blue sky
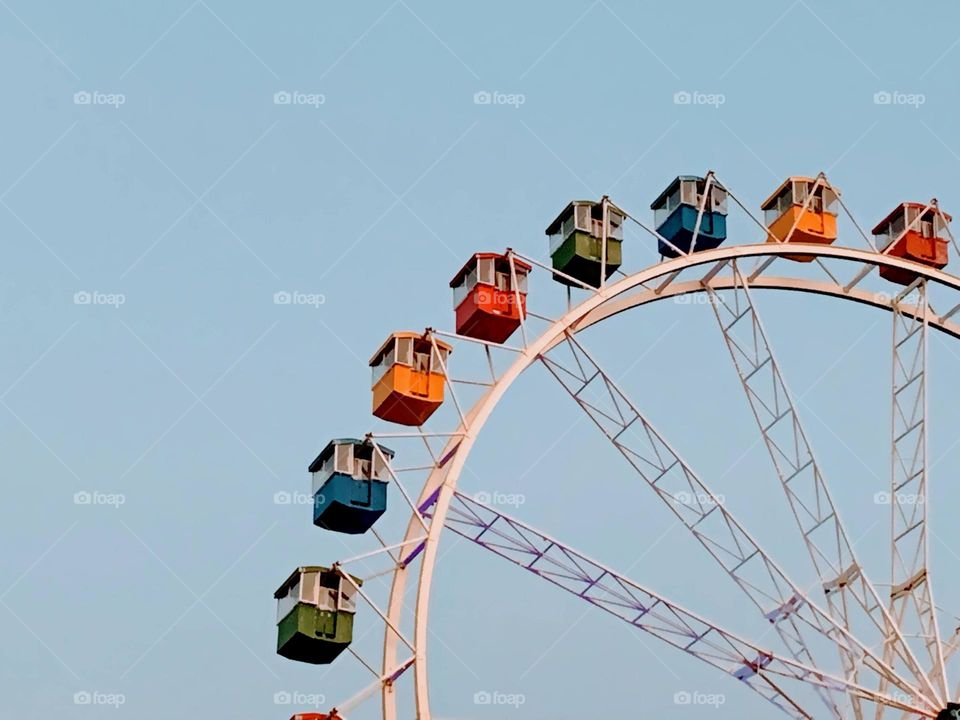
x=177 y=197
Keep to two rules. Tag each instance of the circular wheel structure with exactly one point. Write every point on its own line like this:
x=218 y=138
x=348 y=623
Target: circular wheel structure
x=888 y=653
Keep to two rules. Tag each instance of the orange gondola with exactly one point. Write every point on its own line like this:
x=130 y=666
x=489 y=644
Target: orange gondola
x=408 y=377
x=788 y=220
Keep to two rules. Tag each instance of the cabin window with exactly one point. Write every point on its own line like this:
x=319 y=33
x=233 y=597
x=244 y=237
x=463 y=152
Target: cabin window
x=362 y=468
x=286 y=603
x=556 y=240
x=460 y=293
x=660 y=215
x=583 y=219
x=670 y=204
x=800 y=192
x=939 y=225
x=779 y=205
x=830 y=200
x=390 y=355
x=437 y=354
x=673 y=200
x=380 y=465
x=324 y=473
x=383 y=363
x=926 y=228
x=688 y=192
x=521 y=280
x=719 y=197
x=327 y=599
x=421 y=362
x=615 y=221
x=883 y=237
x=486 y=275
x=344 y=455
x=471 y=277
x=308 y=587
x=503 y=281
x=347 y=601
x=897 y=226
x=467 y=283
x=405 y=351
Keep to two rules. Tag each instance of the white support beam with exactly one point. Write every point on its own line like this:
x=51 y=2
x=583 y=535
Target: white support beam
x=777 y=679
x=849 y=594
x=778 y=598
x=911 y=600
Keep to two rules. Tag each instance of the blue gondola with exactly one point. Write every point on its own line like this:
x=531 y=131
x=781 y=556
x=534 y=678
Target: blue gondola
x=349 y=485
x=675 y=215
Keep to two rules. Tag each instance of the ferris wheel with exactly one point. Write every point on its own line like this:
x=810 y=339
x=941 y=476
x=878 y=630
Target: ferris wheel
x=852 y=646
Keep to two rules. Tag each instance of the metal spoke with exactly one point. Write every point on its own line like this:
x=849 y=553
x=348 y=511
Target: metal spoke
x=849 y=593
x=780 y=600
x=911 y=592
x=771 y=676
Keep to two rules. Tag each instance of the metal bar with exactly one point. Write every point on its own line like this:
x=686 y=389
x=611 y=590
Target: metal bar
x=646 y=610
x=478 y=341
x=558 y=273
x=911 y=594
x=731 y=543
x=376 y=608
x=385 y=548
x=825 y=536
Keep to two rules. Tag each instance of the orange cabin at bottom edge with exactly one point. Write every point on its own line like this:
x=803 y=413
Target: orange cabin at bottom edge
x=314 y=716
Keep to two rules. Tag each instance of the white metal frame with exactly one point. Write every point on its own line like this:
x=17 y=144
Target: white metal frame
x=436 y=506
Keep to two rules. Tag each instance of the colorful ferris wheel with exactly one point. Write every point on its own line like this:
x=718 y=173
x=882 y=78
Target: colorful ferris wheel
x=850 y=646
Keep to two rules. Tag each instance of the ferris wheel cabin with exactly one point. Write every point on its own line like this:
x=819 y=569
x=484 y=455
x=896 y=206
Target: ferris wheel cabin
x=788 y=221
x=675 y=214
x=408 y=377
x=315 y=609
x=490 y=296
x=918 y=233
x=350 y=485
x=576 y=241
x=313 y=716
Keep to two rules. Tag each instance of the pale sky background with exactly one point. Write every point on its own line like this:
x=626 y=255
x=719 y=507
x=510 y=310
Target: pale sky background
x=198 y=398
